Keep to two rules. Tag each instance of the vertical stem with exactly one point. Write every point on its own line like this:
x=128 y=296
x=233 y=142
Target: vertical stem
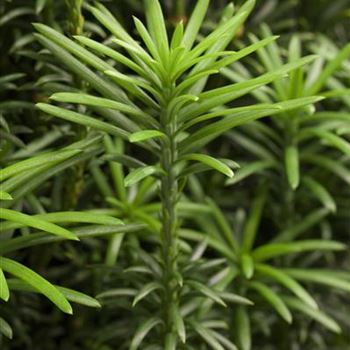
x=75 y=181
x=76 y=19
x=169 y=196
x=49 y=14
x=180 y=9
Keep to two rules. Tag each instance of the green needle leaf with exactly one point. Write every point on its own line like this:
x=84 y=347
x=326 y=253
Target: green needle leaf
x=69 y=217
x=209 y=161
x=4 y=290
x=156 y=25
x=207 y=336
x=36 y=161
x=331 y=139
x=272 y=250
x=332 y=66
x=82 y=119
x=329 y=278
x=146 y=290
x=206 y=291
x=317 y=315
x=247 y=266
x=144 y=135
x=71 y=295
x=5 y=329
x=321 y=193
x=139 y=174
x=272 y=298
x=89 y=100
x=253 y=221
x=37 y=282
x=4 y=196
x=288 y=282
x=243 y=333
x=142 y=331
x=292 y=165
x=252 y=168
x=32 y=221
x=179 y=324
x=194 y=23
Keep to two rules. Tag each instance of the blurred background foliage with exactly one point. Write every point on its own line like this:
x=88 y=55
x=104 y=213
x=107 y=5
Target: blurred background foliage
x=29 y=74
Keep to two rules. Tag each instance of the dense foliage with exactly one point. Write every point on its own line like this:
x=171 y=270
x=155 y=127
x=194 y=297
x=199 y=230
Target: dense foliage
x=174 y=175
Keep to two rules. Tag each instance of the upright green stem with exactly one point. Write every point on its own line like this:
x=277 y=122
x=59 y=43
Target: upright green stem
x=169 y=198
x=75 y=181
x=76 y=19
x=180 y=9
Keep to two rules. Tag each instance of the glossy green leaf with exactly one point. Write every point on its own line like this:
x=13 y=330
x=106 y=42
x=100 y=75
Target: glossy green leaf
x=317 y=315
x=194 y=23
x=224 y=32
x=298 y=228
x=332 y=66
x=273 y=299
x=272 y=250
x=291 y=158
x=247 y=170
x=68 y=217
x=210 y=132
x=224 y=225
x=247 y=266
x=33 y=162
x=74 y=65
x=321 y=193
x=242 y=328
x=37 y=282
x=5 y=329
x=332 y=139
x=253 y=221
x=116 y=170
x=82 y=119
x=208 y=337
x=71 y=295
x=224 y=62
x=142 y=331
x=206 y=291
x=146 y=37
x=89 y=100
x=232 y=112
x=63 y=48
x=210 y=161
x=177 y=38
x=287 y=282
x=144 y=135
x=4 y=290
x=219 y=96
x=235 y=299
x=156 y=25
x=112 y=293
x=139 y=174
x=123 y=159
x=32 y=221
x=34 y=239
x=145 y=291
x=320 y=276
x=4 y=196
x=329 y=164
x=179 y=324
x=223 y=340
x=105 y=50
